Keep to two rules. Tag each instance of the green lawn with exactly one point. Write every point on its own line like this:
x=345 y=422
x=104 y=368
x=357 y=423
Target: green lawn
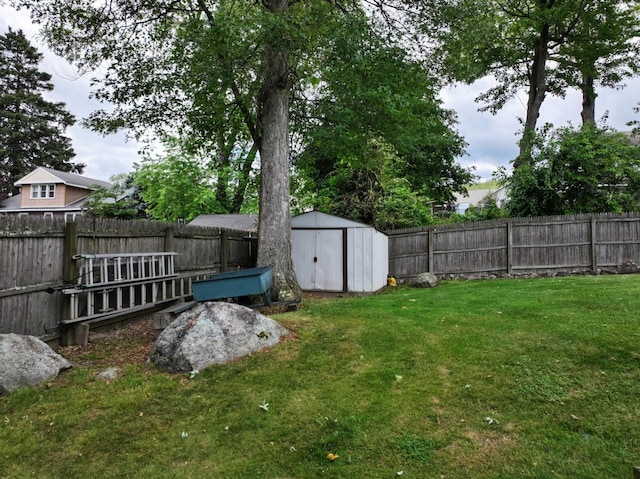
x=483 y=379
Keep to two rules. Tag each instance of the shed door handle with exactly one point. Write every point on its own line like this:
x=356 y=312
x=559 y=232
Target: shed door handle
x=315 y=259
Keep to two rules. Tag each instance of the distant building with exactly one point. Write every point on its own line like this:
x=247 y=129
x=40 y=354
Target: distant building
x=477 y=197
x=634 y=137
x=50 y=193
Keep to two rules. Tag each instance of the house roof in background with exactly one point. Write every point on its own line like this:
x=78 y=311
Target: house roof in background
x=49 y=175
x=12 y=202
x=233 y=222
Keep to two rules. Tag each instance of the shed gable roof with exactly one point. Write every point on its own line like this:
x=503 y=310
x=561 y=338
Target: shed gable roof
x=317 y=219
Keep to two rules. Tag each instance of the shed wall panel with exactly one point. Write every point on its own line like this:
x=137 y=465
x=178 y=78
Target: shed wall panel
x=303 y=247
x=330 y=260
x=367 y=265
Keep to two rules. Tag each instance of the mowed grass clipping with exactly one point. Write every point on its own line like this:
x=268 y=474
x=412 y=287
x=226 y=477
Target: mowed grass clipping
x=484 y=379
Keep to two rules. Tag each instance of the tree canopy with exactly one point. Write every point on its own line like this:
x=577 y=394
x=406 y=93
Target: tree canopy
x=31 y=127
x=544 y=47
x=182 y=185
x=367 y=119
x=226 y=76
x=587 y=170
x=172 y=64
x=121 y=201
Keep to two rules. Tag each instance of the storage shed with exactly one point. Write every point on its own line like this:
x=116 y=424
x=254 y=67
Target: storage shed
x=337 y=254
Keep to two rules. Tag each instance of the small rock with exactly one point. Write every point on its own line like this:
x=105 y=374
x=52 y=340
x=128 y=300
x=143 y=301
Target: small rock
x=425 y=280
x=109 y=374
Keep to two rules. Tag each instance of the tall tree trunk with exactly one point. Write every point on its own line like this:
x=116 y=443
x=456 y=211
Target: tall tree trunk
x=222 y=183
x=243 y=180
x=537 y=92
x=588 y=112
x=274 y=239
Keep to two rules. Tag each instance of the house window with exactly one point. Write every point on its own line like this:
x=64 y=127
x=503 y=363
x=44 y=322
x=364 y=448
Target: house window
x=43 y=191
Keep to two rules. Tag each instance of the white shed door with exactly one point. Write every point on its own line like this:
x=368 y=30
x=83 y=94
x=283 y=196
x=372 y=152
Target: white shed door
x=318 y=259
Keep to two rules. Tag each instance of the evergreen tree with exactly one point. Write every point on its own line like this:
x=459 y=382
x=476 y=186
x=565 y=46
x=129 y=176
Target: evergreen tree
x=31 y=128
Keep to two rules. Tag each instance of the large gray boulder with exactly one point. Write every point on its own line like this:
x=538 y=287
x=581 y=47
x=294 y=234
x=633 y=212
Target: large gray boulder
x=425 y=280
x=213 y=333
x=27 y=361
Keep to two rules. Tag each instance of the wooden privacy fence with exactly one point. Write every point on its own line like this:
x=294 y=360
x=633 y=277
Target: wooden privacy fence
x=544 y=245
x=153 y=262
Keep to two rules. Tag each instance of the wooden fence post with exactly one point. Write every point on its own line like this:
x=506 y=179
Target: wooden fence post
x=431 y=242
x=594 y=240
x=69 y=275
x=70 y=249
x=169 y=240
x=224 y=251
x=509 y=226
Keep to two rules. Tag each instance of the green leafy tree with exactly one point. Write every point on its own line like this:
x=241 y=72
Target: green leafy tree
x=512 y=41
x=371 y=191
x=141 y=41
x=175 y=186
x=542 y=46
x=31 y=128
x=360 y=102
x=602 y=50
x=185 y=182
x=167 y=59
x=230 y=167
x=590 y=170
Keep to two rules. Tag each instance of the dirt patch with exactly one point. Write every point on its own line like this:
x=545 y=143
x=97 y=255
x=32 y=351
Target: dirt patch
x=130 y=343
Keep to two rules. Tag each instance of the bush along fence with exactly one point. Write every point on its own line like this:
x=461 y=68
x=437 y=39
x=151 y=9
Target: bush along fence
x=57 y=275
x=581 y=244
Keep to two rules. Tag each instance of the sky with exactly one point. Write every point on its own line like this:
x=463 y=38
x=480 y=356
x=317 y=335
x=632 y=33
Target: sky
x=104 y=156
x=492 y=139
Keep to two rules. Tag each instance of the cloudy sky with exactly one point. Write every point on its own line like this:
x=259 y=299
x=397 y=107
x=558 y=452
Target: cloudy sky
x=104 y=156
x=492 y=139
